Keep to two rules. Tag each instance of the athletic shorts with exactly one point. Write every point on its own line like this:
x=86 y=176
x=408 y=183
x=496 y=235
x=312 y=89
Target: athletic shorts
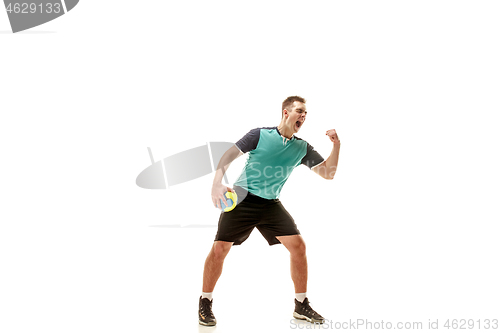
x=267 y=215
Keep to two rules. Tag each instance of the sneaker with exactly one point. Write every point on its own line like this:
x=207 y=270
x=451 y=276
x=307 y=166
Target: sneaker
x=304 y=311
x=205 y=315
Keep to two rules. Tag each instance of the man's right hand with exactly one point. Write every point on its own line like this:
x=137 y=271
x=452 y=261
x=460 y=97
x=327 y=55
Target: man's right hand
x=218 y=191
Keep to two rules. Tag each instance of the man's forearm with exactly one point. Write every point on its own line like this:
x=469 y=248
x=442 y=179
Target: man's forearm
x=226 y=159
x=221 y=170
x=332 y=161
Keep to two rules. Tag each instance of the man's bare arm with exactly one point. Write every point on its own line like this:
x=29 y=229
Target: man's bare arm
x=218 y=189
x=328 y=167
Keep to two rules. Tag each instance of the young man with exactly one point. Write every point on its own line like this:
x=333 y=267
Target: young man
x=273 y=153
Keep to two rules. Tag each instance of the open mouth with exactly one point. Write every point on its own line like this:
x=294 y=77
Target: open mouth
x=298 y=124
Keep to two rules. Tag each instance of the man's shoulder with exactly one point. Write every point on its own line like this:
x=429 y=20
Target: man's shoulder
x=251 y=140
x=301 y=141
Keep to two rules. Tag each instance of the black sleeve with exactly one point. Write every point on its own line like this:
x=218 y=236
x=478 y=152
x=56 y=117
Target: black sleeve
x=249 y=141
x=312 y=157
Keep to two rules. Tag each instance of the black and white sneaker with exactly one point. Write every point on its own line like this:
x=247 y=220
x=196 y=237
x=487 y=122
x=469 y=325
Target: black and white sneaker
x=205 y=315
x=304 y=311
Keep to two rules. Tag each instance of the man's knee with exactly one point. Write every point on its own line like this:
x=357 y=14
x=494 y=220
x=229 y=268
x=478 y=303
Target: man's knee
x=300 y=248
x=295 y=244
x=220 y=249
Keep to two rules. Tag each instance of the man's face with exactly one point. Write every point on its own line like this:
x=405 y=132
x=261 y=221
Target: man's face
x=296 y=116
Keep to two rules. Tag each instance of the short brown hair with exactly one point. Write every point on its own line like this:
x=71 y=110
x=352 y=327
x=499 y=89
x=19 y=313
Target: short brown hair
x=288 y=102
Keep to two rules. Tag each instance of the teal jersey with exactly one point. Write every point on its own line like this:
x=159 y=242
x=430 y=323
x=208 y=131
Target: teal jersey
x=271 y=160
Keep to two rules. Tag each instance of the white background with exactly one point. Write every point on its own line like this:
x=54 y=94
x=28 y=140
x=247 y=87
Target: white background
x=407 y=230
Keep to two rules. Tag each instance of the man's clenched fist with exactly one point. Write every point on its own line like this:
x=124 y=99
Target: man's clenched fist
x=332 y=134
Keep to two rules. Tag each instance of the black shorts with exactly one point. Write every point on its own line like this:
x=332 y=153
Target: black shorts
x=267 y=215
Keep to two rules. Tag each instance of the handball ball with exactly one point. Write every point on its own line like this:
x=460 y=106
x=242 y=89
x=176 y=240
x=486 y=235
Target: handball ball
x=231 y=199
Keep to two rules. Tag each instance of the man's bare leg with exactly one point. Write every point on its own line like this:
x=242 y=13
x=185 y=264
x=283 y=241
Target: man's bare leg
x=298 y=267
x=211 y=273
x=213 y=264
x=298 y=260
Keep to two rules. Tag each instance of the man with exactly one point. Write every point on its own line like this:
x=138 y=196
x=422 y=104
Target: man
x=273 y=153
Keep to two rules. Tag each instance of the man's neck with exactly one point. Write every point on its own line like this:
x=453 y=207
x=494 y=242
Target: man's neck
x=284 y=131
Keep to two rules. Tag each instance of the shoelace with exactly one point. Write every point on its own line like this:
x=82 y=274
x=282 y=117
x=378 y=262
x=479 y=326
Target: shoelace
x=206 y=309
x=308 y=310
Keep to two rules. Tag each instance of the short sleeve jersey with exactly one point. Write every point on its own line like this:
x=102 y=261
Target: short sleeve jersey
x=271 y=160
